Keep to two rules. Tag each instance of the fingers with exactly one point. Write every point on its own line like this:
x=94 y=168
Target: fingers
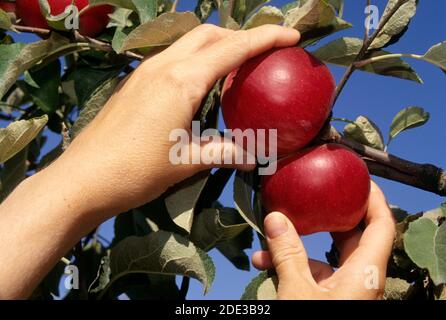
x=346 y=243
x=230 y=52
x=199 y=38
x=222 y=152
x=287 y=252
x=319 y=270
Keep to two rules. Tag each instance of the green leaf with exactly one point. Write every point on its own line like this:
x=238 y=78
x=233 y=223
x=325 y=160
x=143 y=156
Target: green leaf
x=13 y=172
x=120 y=18
x=5 y=20
x=42 y=84
x=262 y=287
x=243 y=200
x=315 y=19
x=366 y=132
x=183 y=197
x=266 y=15
x=395 y=289
x=425 y=244
x=163 y=31
x=17 y=58
x=18 y=135
x=204 y=9
x=214 y=225
x=344 y=51
x=160 y=252
x=233 y=249
x=406 y=119
x=287 y=7
x=147 y=9
x=397 y=24
x=93 y=105
x=55 y=22
x=437 y=55
x=117 y=3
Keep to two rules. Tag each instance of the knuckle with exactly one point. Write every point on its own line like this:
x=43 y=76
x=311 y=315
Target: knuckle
x=286 y=254
x=207 y=28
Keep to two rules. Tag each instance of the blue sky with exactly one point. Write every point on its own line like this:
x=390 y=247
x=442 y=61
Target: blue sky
x=376 y=97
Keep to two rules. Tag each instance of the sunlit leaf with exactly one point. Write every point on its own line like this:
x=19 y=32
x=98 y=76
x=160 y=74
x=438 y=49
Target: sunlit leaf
x=397 y=23
x=266 y=15
x=164 y=30
x=406 y=119
x=437 y=55
x=366 y=132
x=18 y=135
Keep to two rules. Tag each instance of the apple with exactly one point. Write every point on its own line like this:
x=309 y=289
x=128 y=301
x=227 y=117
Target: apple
x=8 y=6
x=286 y=89
x=323 y=188
x=91 y=23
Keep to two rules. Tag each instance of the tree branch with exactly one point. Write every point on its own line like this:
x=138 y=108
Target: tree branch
x=380 y=163
x=365 y=47
x=97 y=44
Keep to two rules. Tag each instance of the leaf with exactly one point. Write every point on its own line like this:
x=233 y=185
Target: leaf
x=366 y=132
x=56 y=22
x=160 y=252
x=243 y=200
x=287 y=7
x=204 y=9
x=406 y=119
x=344 y=51
x=313 y=14
x=147 y=9
x=43 y=86
x=425 y=244
x=262 y=287
x=17 y=58
x=18 y=135
x=117 y=3
x=233 y=249
x=13 y=172
x=163 y=31
x=182 y=199
x=266 y=15
x=120 y=18
x=216 y=224
x=395 y=289
x=5 y=20
x=93 y=105
x=313 y=36
x=397 y=24
x=437 y=55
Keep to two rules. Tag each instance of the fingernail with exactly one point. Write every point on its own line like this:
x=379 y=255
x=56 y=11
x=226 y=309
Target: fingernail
x=275 y=225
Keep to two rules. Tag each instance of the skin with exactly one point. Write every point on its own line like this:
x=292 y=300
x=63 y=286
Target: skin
x=120 y=160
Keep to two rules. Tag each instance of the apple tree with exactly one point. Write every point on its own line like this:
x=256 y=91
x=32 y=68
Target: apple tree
x=59 y=82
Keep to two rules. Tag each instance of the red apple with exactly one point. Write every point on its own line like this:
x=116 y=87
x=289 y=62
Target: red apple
x=8 y=6
x=324 y=188
x=285 y=89
x=91 y=23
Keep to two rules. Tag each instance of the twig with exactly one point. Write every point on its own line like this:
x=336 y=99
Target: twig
x=423 y=176
x=174 y=6
x=96 y=44
x=365 y=47
x=104 y=46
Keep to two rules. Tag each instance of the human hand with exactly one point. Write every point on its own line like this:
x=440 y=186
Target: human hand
x=121 y=159
x=363 y=257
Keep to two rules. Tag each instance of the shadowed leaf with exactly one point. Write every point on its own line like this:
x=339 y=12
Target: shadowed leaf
x=366 y=132
x=262 y=287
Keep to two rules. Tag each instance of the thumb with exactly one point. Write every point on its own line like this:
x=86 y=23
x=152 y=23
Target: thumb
x=287 y=251
x=222 y=152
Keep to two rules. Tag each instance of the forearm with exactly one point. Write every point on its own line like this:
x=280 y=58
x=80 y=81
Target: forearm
x=39 y=222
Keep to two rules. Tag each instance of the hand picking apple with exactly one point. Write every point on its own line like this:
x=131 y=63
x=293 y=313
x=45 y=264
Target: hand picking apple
x=163 y=94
